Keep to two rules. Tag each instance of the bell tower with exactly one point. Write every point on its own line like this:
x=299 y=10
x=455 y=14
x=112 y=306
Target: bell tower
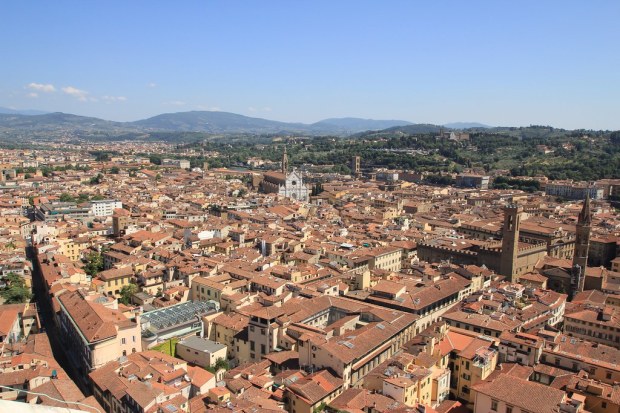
x=355 y=165
x=582 y=246
x=284 y=162
x=510 y=240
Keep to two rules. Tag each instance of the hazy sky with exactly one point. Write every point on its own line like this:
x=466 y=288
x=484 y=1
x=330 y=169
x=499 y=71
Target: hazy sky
x=496 y=62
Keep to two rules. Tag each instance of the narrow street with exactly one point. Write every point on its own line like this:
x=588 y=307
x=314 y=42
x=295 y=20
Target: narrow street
x=47 y=324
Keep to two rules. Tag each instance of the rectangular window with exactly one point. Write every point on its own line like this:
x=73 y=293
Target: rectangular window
x=263 y=349
x=494 y=405
x=252 y=345
x=122 y=340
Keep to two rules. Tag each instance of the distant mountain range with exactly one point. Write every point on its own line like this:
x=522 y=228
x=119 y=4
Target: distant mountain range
x=207 y=122
x=226 y=122
x=353 y=125
x=196 y=121
x=216 y=122
x=466 y=125
x=10 y=111
x=59 y=121
x=414 y=128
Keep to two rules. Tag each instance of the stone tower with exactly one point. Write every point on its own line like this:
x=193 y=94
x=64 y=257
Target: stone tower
x=284 y=162
x=355 y=165
x=582 y=246
x=510 y=241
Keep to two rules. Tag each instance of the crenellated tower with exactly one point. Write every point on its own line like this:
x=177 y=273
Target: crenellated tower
x=582 y=246
x=510 y=240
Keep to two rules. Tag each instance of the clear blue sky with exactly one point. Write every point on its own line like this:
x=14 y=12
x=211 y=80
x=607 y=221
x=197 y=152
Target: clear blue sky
x=496 y=62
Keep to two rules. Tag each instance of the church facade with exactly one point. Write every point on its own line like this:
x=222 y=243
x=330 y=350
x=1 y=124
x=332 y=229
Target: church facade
x=284 y=183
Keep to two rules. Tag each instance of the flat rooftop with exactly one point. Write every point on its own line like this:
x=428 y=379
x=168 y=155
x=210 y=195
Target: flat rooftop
x=201 y=344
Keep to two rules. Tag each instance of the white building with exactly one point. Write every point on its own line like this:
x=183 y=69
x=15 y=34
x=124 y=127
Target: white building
x=287 y=184
x=105 y=207
x=573 y=190
x=177 y=163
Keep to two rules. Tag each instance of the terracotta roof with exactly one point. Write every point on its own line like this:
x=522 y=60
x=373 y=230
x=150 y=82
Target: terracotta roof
x=315 y=387
x=8 y=316
x=94 y=321
x=115 y=273
x=360 y=400
x=510 y=389
x=63 y=389
x=199 y=376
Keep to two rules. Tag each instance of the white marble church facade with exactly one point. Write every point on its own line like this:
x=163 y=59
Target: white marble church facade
x=287 y=184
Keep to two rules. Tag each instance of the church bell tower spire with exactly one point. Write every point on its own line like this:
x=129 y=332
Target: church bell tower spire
x=284 y=162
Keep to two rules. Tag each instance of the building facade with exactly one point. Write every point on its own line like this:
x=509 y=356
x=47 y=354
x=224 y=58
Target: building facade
x=285 y=183
x=95 y=333
x=105 y=207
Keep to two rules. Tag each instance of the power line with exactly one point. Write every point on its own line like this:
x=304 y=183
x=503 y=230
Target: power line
x=52 y=398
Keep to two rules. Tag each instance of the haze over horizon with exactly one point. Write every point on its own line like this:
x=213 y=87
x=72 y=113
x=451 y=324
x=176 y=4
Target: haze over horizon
x=503 y=64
